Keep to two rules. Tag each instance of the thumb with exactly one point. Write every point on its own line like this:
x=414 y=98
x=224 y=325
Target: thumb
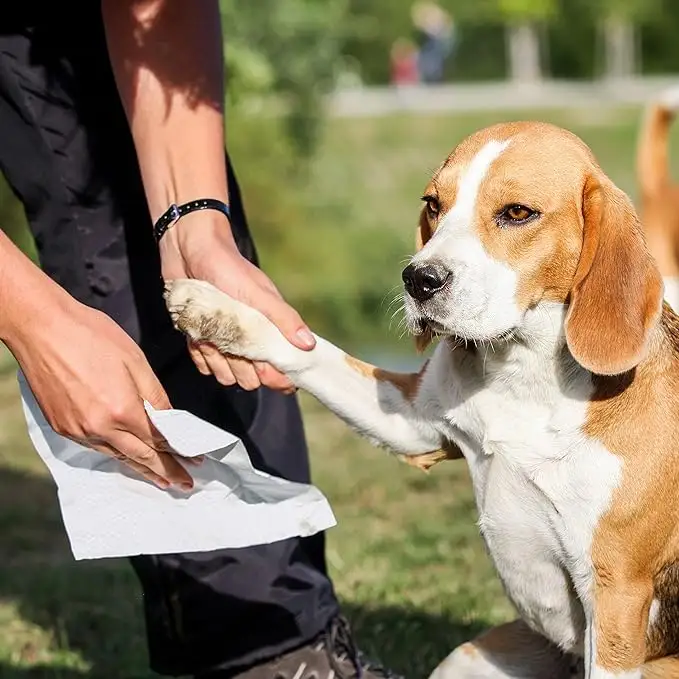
x=288 y=321
x=150 y=388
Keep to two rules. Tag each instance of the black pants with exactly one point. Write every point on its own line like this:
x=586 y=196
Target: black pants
x=67 y=153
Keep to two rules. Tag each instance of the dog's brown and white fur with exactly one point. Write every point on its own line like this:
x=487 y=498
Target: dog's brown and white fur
x=556 y=378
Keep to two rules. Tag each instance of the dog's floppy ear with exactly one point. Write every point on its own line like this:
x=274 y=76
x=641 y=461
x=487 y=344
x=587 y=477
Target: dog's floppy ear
x=617 y=292
x=424 y=233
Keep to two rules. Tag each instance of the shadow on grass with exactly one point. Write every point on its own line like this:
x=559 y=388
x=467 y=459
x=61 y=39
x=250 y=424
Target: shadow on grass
x=91 y=612
x=408 y=641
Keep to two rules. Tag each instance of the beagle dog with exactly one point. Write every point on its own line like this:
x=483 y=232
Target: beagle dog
x=556 y=377
x=658 y=193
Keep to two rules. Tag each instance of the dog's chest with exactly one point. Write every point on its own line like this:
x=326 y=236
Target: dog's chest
x=540 y=488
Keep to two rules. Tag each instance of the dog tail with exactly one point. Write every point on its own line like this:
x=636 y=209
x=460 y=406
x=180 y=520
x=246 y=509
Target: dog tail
x=653 y=170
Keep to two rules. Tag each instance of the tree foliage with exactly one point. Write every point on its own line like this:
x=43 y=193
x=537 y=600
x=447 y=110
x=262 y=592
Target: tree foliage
x=291 y=48
x=296 y=48
x=526 y=10
x=494 y=11
x=637 y=11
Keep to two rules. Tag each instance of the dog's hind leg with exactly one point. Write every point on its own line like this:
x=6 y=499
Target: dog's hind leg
x=509 y=651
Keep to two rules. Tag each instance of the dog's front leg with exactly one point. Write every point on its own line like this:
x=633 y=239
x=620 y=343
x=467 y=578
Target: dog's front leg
x=379 y=404
x=615 y=641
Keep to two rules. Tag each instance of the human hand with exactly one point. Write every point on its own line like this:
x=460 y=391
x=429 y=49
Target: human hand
x=90 y=380
x=201 y=246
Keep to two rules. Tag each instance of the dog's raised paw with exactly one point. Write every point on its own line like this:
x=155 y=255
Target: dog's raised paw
x=201 y=312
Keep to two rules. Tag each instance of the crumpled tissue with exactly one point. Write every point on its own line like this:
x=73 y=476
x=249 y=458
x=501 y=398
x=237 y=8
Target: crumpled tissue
x=108 y=511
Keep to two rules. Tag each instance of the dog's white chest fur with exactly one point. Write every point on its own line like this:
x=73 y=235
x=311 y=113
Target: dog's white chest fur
x=540 y=483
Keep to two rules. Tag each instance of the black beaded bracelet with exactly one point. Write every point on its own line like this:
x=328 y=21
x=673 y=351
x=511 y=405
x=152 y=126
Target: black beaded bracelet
x=175 y=212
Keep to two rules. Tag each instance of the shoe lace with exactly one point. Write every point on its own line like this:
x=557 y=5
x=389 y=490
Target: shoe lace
x=340 y=646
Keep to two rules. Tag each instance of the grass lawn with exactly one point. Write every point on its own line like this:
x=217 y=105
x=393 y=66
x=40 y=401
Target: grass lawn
x=405 y=557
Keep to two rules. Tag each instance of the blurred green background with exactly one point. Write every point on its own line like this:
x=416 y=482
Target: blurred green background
x=333 y=202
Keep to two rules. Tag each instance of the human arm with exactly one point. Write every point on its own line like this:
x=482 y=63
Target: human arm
x=89 y=378
x=168 y=63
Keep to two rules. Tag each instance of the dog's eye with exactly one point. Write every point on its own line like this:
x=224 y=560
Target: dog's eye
x=433 y=206
x=516 y=214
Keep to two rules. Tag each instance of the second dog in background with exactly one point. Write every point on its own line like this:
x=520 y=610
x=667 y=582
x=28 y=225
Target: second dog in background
x=659 y=194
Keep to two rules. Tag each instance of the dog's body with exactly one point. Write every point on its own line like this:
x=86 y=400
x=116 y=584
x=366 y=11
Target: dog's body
x=557 y=380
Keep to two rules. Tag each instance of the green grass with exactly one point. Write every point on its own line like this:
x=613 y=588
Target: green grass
x=406 y=557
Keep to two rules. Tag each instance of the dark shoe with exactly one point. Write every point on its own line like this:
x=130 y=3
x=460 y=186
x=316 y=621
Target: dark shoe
x=332 y=655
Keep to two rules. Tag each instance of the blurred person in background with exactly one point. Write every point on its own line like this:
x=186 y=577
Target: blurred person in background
x=110 y=113
x=436 y=34
x=404 y=63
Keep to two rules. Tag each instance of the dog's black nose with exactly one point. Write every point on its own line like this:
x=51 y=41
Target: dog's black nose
x=421 y=282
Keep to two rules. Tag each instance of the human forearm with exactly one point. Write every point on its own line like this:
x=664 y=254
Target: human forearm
x=26 y=295
x=168 y=62
x=167 y=59
x=88 y=376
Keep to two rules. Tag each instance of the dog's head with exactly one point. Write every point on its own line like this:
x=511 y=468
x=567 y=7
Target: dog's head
x=519 y=215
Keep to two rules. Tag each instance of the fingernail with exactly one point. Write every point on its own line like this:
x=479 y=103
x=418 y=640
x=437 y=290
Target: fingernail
x=162 y=484
x=306 y=338
x=186 y=486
